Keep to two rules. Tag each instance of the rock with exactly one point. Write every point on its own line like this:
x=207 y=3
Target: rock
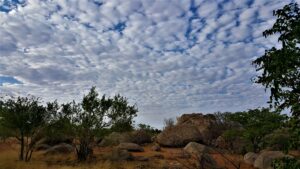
x=155 y=147
x=114 y=139
x=130 y=147
x=221 y=142
x=141 y=158
x=40 y=147
x=140 y=137
x=120 y=154
x=196 y=149
x=62 y=148
x=194 y=127
x=178 y=136
x=265 y=158
x=250 y=157
x=201 y=154
x=206 y=125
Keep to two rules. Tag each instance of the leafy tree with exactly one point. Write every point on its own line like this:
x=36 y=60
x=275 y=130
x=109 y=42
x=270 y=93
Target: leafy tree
x=59 y=125
x=25 y=117
x=256 y=124
x=286 y=163
x=148 y=129
x=281 y=67
x=94 y=114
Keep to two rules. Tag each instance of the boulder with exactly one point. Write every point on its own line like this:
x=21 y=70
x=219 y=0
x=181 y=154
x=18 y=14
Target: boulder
x=155 y=147
x=40 y=147
x=196 y=149
x=62 y=148
x=221 y=143
x=194 y=127
x=201 y=154
x=179 y=136
x=206 y=125
x=130 y=147
x=140 y=137
x=265 y=158
x=250 y=158
x=120 y=154
x=114 y=139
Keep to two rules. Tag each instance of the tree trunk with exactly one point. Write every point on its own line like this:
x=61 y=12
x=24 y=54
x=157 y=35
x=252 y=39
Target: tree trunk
x=28 y=155
x=84 y=151
x=21 y=157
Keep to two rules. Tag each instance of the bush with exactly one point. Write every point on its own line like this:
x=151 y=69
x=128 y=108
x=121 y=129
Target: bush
x=148 y=129
x=278 y=140
x=286 y=163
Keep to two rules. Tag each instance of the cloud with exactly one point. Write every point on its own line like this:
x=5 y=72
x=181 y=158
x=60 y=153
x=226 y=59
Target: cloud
x=169 y=57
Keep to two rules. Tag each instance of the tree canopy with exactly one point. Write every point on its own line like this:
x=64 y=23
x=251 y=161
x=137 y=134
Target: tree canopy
x=24 y=116
x=281 y=66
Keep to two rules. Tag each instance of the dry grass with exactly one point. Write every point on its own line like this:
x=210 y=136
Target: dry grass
x=9 y=156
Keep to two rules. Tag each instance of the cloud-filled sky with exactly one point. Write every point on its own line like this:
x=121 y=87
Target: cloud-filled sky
x=167 y=56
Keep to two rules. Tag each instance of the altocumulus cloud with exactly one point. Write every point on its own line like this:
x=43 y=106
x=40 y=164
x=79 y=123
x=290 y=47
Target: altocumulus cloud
x=168 y=56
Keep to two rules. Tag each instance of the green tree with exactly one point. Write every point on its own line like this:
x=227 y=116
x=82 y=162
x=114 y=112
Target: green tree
x=281 y=67
x=256 y=124
x=59 y=124
x=148 y=129
x=25 y=117
x=94 y=114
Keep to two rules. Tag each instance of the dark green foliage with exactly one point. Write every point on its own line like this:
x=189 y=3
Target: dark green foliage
x=278 y=140
x=256 y=124
x=94 y=114
x=25 y=117
x=148 y=129
x=286 y=163
x=281 y=67
x=59 y=125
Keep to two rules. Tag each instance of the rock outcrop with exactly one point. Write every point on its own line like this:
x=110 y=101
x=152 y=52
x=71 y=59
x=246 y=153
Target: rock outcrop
x=179 y=136
x=190 y=128
x=250 y=158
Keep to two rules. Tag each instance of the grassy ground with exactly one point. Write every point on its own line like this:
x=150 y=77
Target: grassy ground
x=9 y=160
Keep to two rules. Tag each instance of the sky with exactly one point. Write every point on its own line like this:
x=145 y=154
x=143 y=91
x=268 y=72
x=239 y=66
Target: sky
x=168 y=57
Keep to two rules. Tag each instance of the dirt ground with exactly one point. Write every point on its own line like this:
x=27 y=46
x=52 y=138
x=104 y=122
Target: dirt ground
x=166 y=158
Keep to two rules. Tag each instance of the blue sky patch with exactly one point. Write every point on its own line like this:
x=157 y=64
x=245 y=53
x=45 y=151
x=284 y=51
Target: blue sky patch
x=8 y=79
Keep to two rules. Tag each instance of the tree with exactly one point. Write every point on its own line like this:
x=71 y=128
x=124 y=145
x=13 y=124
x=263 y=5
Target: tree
x=281 y=67
x=256 y=124
x=148 y=129
x=168 y=123
x=25 y=117
x=94 y=114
